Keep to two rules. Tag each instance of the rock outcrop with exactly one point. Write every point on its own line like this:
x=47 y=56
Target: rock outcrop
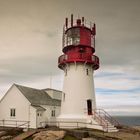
x=49 y=135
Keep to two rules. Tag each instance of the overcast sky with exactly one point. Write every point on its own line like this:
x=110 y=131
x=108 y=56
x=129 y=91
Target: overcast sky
x=30 y=44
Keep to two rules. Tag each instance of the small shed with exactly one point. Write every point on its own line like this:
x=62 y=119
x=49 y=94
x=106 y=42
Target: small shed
x=23 y=105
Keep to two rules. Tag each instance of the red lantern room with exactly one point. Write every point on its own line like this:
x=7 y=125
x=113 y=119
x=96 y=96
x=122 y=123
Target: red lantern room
x=78 y=43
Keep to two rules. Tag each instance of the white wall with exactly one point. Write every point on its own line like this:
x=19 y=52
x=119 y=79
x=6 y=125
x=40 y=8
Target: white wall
x=47 y=114
x=33 y=118
x=78 y=88
x=14 y=99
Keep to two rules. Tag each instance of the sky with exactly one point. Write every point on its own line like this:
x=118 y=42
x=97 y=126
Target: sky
x=31 y=42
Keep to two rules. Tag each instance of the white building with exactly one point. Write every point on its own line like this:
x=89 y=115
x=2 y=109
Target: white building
x=23 y=104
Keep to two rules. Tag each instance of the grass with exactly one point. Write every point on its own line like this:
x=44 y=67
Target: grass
x=29 y=138
x=68 y=137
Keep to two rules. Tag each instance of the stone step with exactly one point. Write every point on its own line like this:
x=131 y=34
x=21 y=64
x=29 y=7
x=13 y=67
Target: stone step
x=110 y=125
x=113 y=130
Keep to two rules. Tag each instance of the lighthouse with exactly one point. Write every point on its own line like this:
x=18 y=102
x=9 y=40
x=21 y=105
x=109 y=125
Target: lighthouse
x=78 y=61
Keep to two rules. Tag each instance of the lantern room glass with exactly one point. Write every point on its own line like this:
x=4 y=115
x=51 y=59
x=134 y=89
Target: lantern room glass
x=73 y=36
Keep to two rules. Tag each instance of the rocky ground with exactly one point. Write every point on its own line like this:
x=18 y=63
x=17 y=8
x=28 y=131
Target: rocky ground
x=9 y=133
x=125 y=133
x=49 y=135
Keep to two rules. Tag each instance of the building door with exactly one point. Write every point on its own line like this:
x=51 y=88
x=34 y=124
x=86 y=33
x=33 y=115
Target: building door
x=39 y=118
x=89 y=106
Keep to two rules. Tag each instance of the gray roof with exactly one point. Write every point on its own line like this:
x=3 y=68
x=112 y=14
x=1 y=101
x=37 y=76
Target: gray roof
x=52 y=89
x=37 y=96
x=39 y=108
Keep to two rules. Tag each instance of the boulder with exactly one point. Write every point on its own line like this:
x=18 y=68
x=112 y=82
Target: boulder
x=49 y=135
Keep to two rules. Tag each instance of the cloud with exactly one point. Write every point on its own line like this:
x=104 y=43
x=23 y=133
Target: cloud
x=114 y=91
x=31 y=42
x=118 y=91
x=108 y=74
x=120 y=103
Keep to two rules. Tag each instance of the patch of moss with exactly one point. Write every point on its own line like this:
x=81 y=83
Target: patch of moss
x=29 y=138
x=68 y=137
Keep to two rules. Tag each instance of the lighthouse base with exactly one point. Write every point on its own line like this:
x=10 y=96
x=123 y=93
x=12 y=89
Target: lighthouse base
x=78 y=121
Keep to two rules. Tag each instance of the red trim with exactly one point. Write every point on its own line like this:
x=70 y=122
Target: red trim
x=79 y=44
x=69 y=47
x=85 y=37
x=93 y=60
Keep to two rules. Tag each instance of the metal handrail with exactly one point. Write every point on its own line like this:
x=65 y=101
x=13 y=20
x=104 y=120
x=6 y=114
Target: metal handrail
x=77 y=124
x=85 y=56
x=104 y=114
x=101 y=121
x=86 y=23
x=14 y=123
x=24 y=124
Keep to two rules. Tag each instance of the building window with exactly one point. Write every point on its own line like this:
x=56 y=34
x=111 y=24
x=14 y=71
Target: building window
x=12 y=112
x=53 y=113
x=39 y=114
x=87 y=72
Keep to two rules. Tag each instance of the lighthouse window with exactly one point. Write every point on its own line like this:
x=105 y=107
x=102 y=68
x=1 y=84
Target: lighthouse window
x=87 y=72
x=73 y=36
x=65 y=72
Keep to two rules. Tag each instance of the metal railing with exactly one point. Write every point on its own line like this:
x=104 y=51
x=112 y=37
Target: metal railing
x=101 y=121
x=86 y=23
x=67 y=124
x=14 y=123
x=104 y=119
x=78 y=57
x=105 y=116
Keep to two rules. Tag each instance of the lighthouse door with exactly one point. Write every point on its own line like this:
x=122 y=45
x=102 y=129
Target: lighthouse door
x=89 y=106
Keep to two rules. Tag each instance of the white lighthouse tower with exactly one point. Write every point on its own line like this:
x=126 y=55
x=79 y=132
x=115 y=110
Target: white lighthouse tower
x=78 y=63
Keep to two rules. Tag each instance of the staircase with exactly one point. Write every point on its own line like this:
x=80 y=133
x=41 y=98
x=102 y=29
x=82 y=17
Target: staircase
x=108 y=123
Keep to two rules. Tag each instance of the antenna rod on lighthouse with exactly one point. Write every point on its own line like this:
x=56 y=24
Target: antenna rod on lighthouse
x=50 y=80
x=71 y=20
x=66 y=23
x=83 y=20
